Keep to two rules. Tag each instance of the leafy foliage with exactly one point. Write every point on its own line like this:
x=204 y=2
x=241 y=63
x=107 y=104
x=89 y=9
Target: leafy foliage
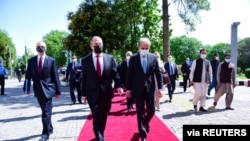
x=184 y=47
x=220 y=48
x=247 y=73
x=188 y=11
x=54 y=41
x=7 y=49
x=119 y=23
x=243 y=54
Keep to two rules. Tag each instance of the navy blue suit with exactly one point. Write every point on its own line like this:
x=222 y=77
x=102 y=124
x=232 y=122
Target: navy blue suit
x=142 y=87
x=185 y=68
x=99 y=90
x=123 y=73
x=173 y=75
x=74 y=77
x=49 y=74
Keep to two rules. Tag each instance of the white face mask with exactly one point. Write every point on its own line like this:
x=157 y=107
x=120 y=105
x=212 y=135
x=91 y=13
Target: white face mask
x=127 y=57
x=74 y=60
x=169 y=59
x=227 y=60
x=143 y=52
x=203 y=56
x=217 y=58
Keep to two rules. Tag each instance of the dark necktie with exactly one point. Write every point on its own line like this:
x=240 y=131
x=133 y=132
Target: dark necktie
x=40 y=65
x=73 y=66
x=98 y=66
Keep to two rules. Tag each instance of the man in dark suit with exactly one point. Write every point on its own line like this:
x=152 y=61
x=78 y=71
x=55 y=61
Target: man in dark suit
x=73 y=76
x=185 y=69
x=42 y=70
x=172 y=71
x=123 y=75
x=214 y=63
x=143 y=67
x=97 y=87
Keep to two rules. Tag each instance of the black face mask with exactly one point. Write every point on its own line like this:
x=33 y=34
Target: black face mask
x=40 y=49
x=98 y=49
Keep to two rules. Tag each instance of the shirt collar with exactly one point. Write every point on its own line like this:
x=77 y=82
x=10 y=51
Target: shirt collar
x=94 y=55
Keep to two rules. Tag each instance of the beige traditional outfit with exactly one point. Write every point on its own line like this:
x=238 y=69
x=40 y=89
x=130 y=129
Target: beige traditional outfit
x=226 y=80
x=200 y=75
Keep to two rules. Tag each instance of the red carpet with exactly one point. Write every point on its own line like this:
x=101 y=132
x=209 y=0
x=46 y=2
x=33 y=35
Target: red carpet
x=122 y=126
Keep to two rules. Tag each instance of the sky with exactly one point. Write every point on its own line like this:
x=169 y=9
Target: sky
x=27 y=21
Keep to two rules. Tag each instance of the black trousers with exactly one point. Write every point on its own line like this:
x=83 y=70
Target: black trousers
x=100 y=114
x=46 y=108
x=72 y=86
x=130 y=102
x=171 y=86
x=144 y=115
x=185 y=80
x=2 y=82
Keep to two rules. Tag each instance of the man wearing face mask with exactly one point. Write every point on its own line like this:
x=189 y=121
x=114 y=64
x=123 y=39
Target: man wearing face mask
x=214 y=63
x=185 y=69
x=42 y=70
x=140 y=83
x=97 y=78
x=123 y=75
x=173 y=74
x=200 y=78
x=73 y=76
x=226 y=82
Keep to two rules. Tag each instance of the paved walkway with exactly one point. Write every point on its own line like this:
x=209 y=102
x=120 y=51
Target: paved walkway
x=20 y=114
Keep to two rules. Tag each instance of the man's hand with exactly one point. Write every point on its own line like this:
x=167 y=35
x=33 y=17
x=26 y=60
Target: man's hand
x=119 y=90
x=84 y=99
x=234 y=85
x=58 y=96
x=129 y=94
x=159 y=93
x=191 y=83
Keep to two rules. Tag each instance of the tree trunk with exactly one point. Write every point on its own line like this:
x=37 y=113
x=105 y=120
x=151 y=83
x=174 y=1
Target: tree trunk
x=166 y=49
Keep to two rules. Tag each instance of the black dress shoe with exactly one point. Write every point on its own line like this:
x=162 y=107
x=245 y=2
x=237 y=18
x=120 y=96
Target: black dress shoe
x=147 y=128
x=195 y=107
x=202 y=109
x=43 y=139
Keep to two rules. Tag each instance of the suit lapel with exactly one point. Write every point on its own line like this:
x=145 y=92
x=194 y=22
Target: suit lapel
x=105 y=59
x=92 y=64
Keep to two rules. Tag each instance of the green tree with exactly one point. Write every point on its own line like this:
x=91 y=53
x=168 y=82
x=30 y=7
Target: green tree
x=219 y=48
x=119 y=23
x=7 y=50
x=243 y=54
x=54 y=41
x=184 y=47
x=188 y=11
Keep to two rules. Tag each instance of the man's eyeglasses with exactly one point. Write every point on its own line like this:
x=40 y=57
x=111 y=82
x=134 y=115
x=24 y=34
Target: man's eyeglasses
x=144 y=48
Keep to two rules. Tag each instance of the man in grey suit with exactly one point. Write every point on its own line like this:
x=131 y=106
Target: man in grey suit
x=43 y=72
x=97 y=88
x=143 y=67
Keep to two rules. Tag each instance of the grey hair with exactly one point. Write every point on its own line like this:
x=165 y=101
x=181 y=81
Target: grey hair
x=145 y=40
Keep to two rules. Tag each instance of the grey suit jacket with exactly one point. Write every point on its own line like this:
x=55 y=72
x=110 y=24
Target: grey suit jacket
x=137 y=79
